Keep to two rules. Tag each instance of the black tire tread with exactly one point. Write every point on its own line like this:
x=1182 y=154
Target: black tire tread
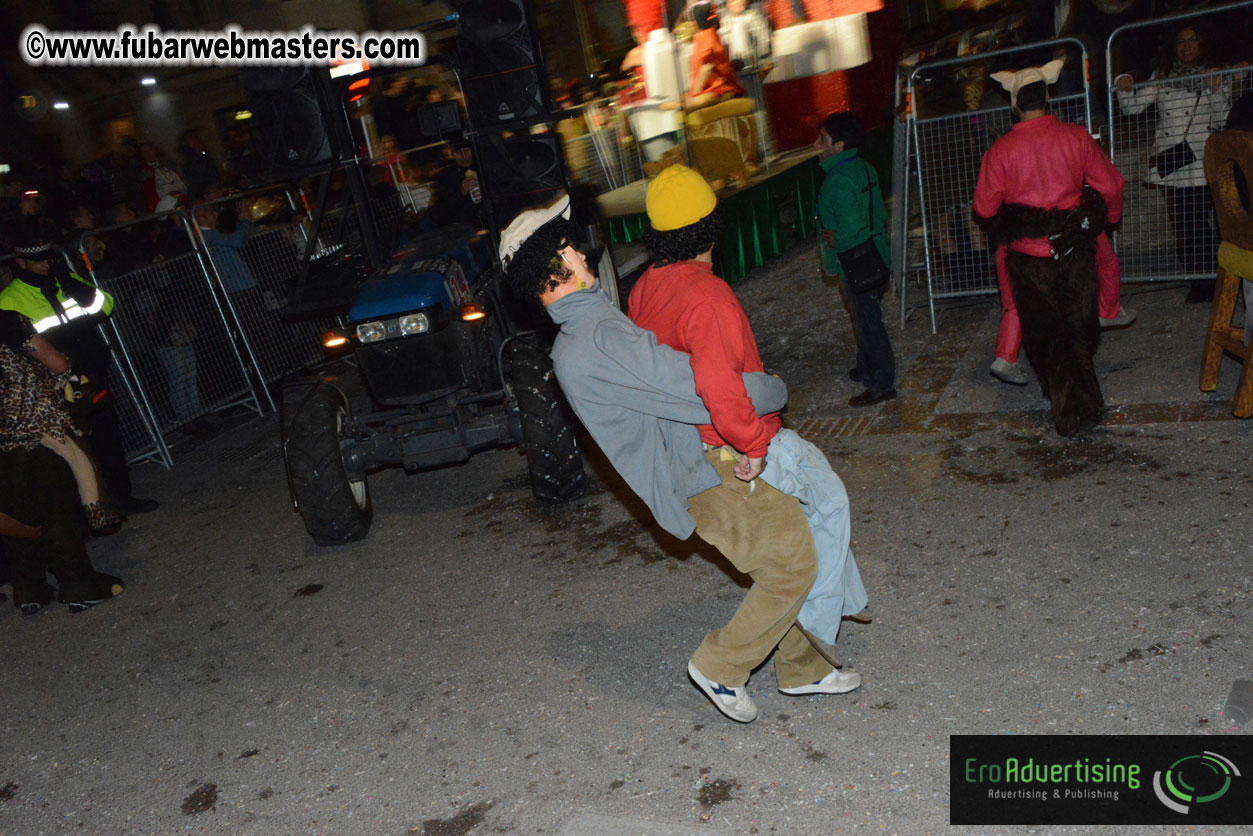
x=552 y=451
x=316 y=469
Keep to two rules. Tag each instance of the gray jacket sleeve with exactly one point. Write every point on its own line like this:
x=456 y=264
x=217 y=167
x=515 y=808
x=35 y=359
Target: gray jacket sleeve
x=657 y=380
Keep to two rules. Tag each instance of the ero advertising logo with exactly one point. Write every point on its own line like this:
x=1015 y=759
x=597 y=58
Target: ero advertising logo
x=1099 y=779
x=1210 y=772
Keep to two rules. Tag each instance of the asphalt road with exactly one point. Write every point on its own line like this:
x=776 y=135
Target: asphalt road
x=482 y=665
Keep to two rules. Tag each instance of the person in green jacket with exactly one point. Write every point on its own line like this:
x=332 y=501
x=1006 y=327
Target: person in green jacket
x=850 y=212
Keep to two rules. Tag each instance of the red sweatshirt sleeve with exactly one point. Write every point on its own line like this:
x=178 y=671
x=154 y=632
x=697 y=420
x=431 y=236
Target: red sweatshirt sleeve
x=990 y=187
x=716 y=332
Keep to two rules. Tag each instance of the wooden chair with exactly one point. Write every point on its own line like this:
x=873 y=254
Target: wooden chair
x=1229 y=169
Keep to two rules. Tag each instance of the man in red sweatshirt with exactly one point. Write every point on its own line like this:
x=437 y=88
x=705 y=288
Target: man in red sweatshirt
x=762 y=532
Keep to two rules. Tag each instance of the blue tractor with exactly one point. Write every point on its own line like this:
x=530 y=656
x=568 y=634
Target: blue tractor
x=433 y=365
x=431 y=369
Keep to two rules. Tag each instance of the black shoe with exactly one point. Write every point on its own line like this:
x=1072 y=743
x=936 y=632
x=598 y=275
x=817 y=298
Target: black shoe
x=30 y=598
x=854 y=374
x=91 y=591
x=135 y=505
x=869 y=398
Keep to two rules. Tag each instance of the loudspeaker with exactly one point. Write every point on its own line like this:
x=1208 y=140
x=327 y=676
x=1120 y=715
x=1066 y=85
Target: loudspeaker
x=520 y=172
x=288 y=117
x=439 y=120
x=502 y=66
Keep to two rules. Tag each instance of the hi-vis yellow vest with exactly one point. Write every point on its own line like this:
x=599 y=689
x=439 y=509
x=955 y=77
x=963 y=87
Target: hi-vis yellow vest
x=31 y=303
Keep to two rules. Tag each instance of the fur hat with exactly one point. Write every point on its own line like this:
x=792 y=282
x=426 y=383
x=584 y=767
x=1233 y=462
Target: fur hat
x=1013 y=81
x=678 y=197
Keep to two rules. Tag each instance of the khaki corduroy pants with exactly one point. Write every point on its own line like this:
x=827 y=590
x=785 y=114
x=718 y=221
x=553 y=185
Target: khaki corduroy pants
x=764 y=534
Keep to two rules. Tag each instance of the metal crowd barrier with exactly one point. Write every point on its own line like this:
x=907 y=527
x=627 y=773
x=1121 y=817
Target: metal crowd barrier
x=340 y=223
x=252 y=269
x=197 y=326
x=168 y=329
x=415 y=195
x=1168 y=231
x=607 y=156
x=944 y=150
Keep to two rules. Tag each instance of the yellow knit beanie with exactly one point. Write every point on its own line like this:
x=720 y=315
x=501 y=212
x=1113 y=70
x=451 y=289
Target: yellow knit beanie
x=678 y=197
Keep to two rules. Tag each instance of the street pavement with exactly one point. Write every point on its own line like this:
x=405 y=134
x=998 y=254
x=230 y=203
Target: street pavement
x=483 y=665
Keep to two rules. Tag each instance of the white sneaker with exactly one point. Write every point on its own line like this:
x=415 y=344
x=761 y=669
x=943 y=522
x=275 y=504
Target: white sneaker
x=733 y=702
x=1007 y=372
x=836 y=682
x=1122 y=319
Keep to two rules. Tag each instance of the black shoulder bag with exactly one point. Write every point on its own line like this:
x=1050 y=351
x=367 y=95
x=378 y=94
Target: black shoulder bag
x=1178 y=155
x=863 y=266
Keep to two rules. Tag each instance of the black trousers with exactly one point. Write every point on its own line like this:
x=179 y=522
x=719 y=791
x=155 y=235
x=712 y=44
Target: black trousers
x=38 y=488
x=1057 y=307
x=876 y=364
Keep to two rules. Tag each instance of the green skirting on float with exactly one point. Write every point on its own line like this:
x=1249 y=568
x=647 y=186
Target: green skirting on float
x=754 y=233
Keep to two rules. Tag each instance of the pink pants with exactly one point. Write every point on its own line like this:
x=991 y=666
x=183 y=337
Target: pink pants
x=1109 y=282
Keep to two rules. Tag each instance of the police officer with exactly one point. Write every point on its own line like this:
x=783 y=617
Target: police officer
x=65 y=309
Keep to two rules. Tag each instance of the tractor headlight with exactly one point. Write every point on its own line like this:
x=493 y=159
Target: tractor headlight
x=414 y=324
x=371 y=332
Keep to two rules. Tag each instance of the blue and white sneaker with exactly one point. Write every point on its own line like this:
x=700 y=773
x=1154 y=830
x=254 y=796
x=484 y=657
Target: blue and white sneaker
x=733 y=702
x=836 y=682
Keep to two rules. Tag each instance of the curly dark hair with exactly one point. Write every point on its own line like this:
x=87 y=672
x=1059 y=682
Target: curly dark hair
x=684 y=243
x=531 y=269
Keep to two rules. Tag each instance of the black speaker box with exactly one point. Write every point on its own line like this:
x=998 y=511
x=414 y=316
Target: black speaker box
x=520 y=172
x=502 y=66
x=440 y=119
x=288 y=119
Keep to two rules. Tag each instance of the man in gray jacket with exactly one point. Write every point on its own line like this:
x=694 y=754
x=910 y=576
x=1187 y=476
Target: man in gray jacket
x=639 y=401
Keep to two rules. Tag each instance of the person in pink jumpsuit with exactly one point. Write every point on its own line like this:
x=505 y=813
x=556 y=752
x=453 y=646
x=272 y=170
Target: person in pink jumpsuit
x=1046 y=190
x=1113 y=314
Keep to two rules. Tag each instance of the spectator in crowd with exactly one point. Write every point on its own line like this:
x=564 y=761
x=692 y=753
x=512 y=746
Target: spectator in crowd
x=225 y=234
x=65 y=310
x=393 y=109
x=88 y=248
x=125 y=168
x=164 y=187
x=396 y=168
x=639 y=400
x=200 y=170
x=68 y=192
x=226 y=229
x=42 y=524
x=851 y=212
x=1031 y=189
x=241 y=162
x=1189 y=109
x=33 y=218
x=125 y=248
x=457 y=192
